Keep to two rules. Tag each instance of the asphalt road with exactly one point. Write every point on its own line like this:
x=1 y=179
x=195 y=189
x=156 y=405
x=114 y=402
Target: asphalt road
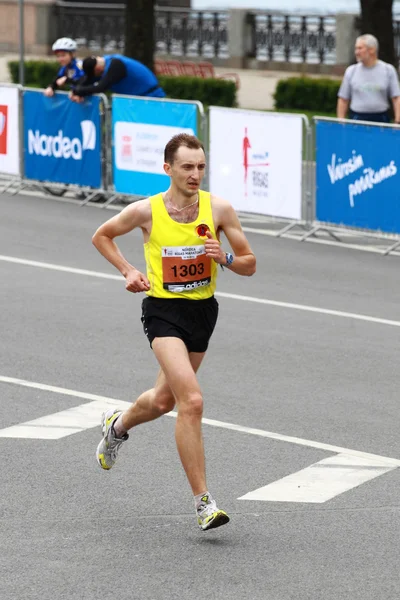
x=68 y=530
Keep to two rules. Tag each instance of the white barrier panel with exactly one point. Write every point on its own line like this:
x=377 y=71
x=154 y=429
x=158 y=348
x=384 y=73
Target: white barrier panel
x=256 y=161
x=9 y=130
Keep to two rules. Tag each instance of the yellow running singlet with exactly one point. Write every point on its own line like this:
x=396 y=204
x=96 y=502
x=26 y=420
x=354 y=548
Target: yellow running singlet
x=177 y=266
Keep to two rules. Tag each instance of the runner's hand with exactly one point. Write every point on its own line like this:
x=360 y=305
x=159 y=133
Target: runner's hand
x=136 y=282
x=213 y=249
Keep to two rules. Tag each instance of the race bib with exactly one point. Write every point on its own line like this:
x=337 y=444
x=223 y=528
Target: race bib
x=185 y=268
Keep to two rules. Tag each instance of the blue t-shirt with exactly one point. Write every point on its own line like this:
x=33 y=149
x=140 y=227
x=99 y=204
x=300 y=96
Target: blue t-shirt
x=139 y=80
x=73 y=71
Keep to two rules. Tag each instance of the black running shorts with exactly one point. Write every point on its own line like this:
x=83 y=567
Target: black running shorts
x=192 y=321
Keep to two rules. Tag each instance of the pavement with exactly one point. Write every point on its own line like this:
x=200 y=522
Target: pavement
x=302 y=365
x=256 y=86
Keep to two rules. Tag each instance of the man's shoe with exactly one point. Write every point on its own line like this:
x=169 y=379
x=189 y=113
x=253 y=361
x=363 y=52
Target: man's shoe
x=107 y=450
x=209 y=516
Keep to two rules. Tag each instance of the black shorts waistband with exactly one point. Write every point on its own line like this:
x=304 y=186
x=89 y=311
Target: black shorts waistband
x=184 y=301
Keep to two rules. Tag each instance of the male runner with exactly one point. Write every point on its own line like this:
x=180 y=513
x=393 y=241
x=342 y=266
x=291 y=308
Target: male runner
x=181 y=230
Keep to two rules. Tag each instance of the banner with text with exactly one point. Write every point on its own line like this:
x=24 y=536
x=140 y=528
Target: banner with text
x=62 y=139
x=141 y=129
x=357 y=175
x=9 y=130
x=256 y=161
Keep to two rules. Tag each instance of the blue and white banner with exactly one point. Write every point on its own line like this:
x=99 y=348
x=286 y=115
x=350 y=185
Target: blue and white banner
x=358 y=175
x=62 y=139
x=141 y=129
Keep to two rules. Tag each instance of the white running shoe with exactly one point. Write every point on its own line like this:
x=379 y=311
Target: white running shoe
x=208 y=515
x=107 y=450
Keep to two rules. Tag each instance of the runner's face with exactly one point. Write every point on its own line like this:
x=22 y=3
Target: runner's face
x=64 y=58
x=188 y=170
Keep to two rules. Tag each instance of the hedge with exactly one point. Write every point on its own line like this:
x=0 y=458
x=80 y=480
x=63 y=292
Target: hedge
x=38 y=73
x=217 y=92
x=306 y=93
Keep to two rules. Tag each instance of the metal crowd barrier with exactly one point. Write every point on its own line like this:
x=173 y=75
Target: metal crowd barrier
x=335 y=176
x=11 y=158
x=307 y=207
x=154 y=121
x=356 y=180
x=257 y=161
x=39 y=152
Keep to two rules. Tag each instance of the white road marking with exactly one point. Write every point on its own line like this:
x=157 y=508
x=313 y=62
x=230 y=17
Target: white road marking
x=115 y=402
x=265 y=301
x=61 y=424
x=318 y=483
x=53 y=267
x=244 y=217
x=321 y=481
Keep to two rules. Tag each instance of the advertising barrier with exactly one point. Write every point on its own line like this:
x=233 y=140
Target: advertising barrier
x=10 y=155
x=141 y=128
x=62 y=139
x=358 y=175
x=256 y=161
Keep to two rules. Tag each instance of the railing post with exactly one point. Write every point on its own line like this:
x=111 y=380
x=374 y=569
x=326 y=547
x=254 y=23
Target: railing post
x=286 y=39
x=303 y=37
x=200 y=38
x=216 y=34
x=168 y=31
x=270 y=38
x=184 y=33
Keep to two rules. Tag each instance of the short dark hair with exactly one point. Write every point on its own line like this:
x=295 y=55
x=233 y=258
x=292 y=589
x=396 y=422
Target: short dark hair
x=89 y=65
x=181 y=139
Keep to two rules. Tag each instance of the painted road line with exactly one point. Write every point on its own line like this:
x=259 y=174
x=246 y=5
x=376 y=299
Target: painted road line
x=318 y=483
x=61 y=268
x=63 y=423
x=114 y=402
x=265 y=301
x=321 y=481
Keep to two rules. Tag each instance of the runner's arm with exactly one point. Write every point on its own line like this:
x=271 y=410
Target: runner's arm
x=244 y=261
x=135 y=215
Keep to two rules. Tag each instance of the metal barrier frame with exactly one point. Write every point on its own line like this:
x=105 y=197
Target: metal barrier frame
x=308 y=221
x=307 y=208
x=335 y=230
x=306 y=196
x=24 y=183
x=203 y=136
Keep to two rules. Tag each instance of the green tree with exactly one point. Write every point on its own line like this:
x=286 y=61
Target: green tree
x=377 y=19
x=139 y=31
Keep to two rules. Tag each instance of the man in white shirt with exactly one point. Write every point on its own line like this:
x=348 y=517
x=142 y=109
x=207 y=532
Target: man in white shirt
x=369 y=86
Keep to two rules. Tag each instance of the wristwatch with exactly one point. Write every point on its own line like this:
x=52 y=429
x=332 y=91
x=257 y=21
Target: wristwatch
x=229 y=259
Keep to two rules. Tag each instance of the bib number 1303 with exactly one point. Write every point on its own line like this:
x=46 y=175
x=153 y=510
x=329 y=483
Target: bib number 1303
x=185 y=270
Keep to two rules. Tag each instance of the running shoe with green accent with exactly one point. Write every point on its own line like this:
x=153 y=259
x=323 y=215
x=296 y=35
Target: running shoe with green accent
x=107 y=450
x=209 y=516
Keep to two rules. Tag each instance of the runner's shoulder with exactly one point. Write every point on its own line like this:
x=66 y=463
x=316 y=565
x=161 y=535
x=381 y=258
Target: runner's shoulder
x=139 y=211
x=222 y=211
x=221 y=205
